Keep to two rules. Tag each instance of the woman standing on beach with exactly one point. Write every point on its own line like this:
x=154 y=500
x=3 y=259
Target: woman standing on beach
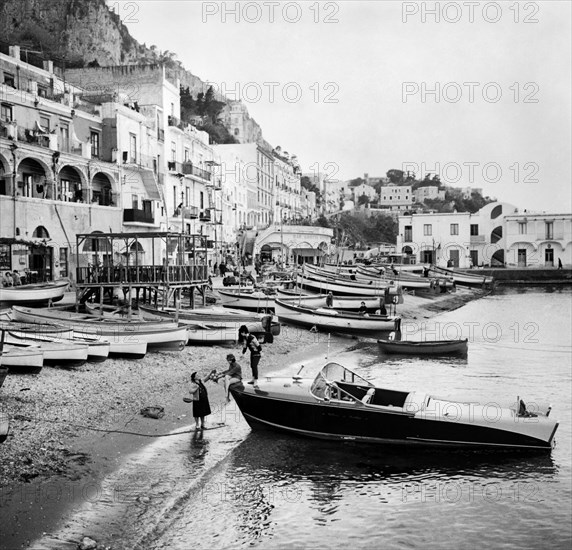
x=250 y=342
x=201 y=405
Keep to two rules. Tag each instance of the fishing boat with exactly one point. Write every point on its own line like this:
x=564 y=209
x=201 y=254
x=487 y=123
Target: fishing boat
x=164 y=335
x=219 y=318
x=250 y=300
x=40 y=293
x=22 y=360
x=338 y=404
x=435 y=347
x=462 y=277
x=59 y=354
x=97 y=350
x=349 y=303
x=332 y=320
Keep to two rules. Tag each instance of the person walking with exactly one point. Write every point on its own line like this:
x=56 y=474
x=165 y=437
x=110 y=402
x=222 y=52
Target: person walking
x=559 y=263
x=222 y=269
x=249 y=342
x=200 y=400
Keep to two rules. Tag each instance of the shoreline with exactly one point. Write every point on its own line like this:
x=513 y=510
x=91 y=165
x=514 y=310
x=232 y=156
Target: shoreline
x=72 y=428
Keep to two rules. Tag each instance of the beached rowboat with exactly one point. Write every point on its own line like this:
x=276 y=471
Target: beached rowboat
x=163 y=335
x=40 y=293
x=331 y=320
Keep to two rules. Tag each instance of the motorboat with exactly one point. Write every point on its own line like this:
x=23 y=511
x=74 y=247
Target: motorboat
x=341 y=405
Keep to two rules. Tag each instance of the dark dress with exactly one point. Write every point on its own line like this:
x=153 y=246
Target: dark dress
x=201 y=407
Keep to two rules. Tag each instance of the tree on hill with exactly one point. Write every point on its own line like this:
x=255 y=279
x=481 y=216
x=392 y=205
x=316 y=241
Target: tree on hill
x=363 y=199
x=207 y=107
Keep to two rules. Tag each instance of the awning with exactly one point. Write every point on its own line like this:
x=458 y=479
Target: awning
x=150 y=183
x=313 y=252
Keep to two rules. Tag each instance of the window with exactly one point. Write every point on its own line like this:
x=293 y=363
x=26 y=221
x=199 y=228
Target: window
x=6 y=113
x=135 y=202
x=45 y=123
x=202 y=200
x=474 y=229
x=187 y=156
x=64 y=190
x=5 y=256
x=427 y=230
x=42 y=91
x=94 y=138
x=9 y=80
x=173 y=151
x=454 y=229
x=65 y=137
x=522 y=228
x=133 y=148
x=63 y=262
x=408 y=234
x=549 y=228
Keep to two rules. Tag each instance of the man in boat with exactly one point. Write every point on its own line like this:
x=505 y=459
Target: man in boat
x=330 y=299
x=362 y=309
x=16 y=277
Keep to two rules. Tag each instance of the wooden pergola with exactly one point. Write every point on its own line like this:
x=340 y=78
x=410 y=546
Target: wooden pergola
x=180 y=266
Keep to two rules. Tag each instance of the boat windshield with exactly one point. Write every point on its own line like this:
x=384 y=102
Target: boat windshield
x=334 y=372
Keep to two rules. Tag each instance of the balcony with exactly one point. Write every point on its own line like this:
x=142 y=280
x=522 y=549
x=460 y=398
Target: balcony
x=190 y=212
x=136 y=215
x=173 y=121
x=475 y=239
x=205 y=216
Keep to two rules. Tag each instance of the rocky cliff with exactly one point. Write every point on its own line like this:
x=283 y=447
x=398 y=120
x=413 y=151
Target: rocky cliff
x=79 y=33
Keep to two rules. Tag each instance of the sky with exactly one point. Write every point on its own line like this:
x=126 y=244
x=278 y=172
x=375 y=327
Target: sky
x=478 y=92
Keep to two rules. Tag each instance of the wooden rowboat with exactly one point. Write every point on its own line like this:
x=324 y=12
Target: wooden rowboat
x=436 y=347
x=331 y=320
x=35 y=293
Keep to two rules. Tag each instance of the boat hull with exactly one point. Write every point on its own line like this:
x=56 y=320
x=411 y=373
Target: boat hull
x=351 y=422
x=250 y=302
x=456 y=347
x=329 y=320
x=34 y=294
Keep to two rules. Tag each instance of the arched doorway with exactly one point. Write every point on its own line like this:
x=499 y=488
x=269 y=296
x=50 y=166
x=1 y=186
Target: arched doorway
x=41 y=255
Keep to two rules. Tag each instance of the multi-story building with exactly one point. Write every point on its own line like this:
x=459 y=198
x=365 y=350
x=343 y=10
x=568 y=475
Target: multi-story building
x=458 y=239
x=431 y=192
x=397 y=198
x=287 y=187
x=56 y=177
x=358 y=191
x=257 y=175
x=179 y=154
x=538 y=239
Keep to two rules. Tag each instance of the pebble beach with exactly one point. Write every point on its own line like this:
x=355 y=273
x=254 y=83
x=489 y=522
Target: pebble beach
x=69 y=424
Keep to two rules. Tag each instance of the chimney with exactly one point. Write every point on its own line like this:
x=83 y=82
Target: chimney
x=48 y=65
x=15 y=52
